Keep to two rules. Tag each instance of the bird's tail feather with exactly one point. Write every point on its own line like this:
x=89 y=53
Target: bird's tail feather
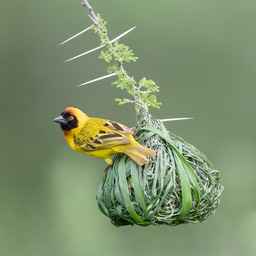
x=139 y=154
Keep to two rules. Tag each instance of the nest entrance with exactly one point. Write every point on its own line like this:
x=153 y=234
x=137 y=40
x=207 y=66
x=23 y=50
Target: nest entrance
x=178 y=186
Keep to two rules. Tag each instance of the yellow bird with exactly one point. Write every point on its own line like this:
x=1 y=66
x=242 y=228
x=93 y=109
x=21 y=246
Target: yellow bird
x=100 y=138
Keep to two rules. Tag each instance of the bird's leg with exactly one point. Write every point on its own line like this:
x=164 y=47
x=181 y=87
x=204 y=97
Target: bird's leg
x=107 y=168
x=109 y=162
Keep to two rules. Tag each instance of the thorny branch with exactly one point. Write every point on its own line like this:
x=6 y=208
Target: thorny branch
x=92 y=14
x=140 y=106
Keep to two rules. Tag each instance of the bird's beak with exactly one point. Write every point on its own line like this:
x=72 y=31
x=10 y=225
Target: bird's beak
x=60 y=120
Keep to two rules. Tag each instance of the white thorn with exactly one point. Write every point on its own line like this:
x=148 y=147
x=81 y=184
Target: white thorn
x=176 y=119
x=97 y=79
x=123 y=34
x=76 y=35
x=84 y=53
x=101 y=46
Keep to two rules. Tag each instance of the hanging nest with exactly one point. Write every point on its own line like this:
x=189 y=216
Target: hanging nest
x=178 y=186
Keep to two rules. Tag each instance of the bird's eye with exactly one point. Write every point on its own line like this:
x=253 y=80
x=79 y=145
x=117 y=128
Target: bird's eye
x=71 y=118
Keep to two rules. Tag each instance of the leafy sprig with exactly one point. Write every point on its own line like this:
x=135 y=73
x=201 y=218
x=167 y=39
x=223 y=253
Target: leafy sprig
x=116 y=55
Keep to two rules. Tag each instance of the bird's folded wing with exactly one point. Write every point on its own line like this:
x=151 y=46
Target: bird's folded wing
x=104 y=140
x=118 y=127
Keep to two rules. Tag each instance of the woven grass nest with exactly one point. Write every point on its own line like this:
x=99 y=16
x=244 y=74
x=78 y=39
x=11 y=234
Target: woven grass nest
x=178 y=186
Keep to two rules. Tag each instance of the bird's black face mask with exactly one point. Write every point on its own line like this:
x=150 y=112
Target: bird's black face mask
x=67 y=121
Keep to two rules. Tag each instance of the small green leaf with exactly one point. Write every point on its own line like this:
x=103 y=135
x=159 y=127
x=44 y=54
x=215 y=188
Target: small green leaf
x=105 y=55
x=111 y=69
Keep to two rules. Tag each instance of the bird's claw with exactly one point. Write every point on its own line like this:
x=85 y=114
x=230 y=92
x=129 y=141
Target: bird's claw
x=107 y=168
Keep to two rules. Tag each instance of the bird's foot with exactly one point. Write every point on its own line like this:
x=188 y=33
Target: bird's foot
x=107 y=168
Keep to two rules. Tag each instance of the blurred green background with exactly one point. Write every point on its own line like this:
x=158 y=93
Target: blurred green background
x=203 y=56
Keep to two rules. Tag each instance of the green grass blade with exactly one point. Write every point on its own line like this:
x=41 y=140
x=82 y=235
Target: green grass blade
x=185 y=170
x=125 y=193
x=137 y=186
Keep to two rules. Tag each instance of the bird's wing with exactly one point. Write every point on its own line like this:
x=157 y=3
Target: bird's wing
x=105 y=136
x=118 y=127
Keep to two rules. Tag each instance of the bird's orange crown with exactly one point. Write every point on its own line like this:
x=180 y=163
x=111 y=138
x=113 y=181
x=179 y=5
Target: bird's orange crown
x=80 y=115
